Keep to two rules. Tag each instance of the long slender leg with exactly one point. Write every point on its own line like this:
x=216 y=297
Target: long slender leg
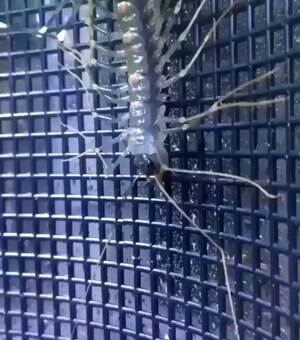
x=219 y=105
x=118 y=101
x=121 y=137
x=164 y=83
x=153 y=7
x=116 y=91
x=166 y=33
x=114 y=69
x=88 y=151
x=214 y=243
x=108 y=51
x=176 y=45
x=98 y=264
x=124 y=154
x=106 y=92
x=58 y=9
x=75 y=76
x=78 y=57
x=222 y=175
x=225 y=106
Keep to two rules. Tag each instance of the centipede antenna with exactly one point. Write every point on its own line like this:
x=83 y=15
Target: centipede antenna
x=223 y=175
x=170 y=81
x=176 y=45
x=116 y=90
x=205 y=234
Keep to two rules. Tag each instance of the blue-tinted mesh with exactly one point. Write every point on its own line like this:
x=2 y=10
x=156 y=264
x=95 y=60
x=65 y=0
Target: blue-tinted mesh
x=159 y=279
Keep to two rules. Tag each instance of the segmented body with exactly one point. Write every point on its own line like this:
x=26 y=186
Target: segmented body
x=143 y=91
x=143 y=136
x=145 y=26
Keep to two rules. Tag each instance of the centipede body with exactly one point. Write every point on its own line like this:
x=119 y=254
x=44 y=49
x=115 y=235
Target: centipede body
x=140 y=34
x=144 y=29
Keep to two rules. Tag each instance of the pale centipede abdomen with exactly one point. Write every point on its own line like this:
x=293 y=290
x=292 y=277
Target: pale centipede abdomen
x=140 y=24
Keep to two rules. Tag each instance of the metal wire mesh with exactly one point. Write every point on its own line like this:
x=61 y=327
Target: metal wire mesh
x=159 y=279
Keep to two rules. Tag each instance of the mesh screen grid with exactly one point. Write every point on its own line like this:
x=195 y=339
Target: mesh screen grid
x=159 y=279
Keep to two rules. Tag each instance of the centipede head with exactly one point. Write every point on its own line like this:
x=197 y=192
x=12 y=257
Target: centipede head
x=150 y=166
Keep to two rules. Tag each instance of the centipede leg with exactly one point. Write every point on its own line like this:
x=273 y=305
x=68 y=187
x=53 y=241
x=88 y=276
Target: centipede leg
x=108 y=52
x=119 y=160
x=167 y=82
x=207 y=236
x=220 y=105
x=162 y=40
x=88 y=151
x=222 y=175
x=115 y=91
x=182 y=37
x=113 y=69
x=60 y=6
x=190 y=121
x=157 y=21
